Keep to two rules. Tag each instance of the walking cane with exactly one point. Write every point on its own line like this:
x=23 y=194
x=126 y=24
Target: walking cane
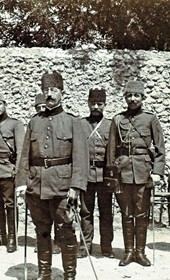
x=16 y=217
x=25 y=243
x=153 y=224
x=84 y=241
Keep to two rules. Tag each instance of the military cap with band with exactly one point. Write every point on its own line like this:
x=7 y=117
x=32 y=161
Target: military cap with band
x=135 y=86
x=97 y=95
x=52 y=80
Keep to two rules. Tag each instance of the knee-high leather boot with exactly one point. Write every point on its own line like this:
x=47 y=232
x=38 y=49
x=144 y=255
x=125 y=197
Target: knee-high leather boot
x=69 y=259
x=128 y=235
x=44 y=251
x=141 y=233
x=11 y=242
x=3 y=235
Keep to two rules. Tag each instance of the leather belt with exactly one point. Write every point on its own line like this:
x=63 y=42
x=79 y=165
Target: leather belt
x=48 y=162
x=97 y=163
x=133 y=151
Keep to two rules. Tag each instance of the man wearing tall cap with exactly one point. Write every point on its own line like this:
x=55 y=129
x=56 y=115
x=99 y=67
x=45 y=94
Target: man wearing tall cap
x=54 y=164
x=131 y=135
x=96 y=128
x=11 y=140
x=40 y=103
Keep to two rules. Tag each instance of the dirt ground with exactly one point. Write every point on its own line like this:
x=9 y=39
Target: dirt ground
x=12 y=265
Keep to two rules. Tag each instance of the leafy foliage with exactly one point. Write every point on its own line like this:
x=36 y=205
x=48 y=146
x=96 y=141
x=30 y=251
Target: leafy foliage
x=139 y=24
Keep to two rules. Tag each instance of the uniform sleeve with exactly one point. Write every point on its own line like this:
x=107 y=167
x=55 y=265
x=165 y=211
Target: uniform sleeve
x=111 y=147
x=23 y=166
x=158 y=142
x=19 y=133
x=79 y=157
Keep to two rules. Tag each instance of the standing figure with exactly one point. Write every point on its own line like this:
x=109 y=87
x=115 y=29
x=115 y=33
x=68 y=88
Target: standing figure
x=53 y=162
x=40 y=103
x=96 y=128
x=11 y=141
x=132 y=134
x=40 y=106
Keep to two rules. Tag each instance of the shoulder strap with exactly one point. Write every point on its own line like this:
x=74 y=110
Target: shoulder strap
x=95 y=131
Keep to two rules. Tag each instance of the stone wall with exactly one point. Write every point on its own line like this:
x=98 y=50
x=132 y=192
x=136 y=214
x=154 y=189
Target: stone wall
x=22 y=68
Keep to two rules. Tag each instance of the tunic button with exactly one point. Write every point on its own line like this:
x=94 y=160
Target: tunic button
x=47 y=137
x=48 y=128
x=46 y=146
x=50 y=118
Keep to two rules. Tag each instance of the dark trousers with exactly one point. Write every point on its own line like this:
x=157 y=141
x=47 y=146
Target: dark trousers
x=134 y=203
x=104 y=201
x=45 y=212
x=7 y=193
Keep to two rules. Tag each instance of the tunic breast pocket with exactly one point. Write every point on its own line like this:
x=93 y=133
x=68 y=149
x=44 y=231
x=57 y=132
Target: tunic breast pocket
x=64 y=143
x=124 y=127
x=146 y=136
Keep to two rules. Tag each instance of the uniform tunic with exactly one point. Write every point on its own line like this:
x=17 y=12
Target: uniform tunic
x=130 y=139
x=138 y=132
x=53 y=134
x=97 y=142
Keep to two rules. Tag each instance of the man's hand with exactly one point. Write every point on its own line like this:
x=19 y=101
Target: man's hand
x=73 y=194
x=20 y=191
x=156 y=179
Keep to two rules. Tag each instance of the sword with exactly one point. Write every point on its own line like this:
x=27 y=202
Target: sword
x=83 y=238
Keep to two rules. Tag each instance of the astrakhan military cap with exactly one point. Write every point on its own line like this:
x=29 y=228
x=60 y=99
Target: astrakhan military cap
x=52 y=80
x=97 y=95
x=39 y=99
x=135 y=86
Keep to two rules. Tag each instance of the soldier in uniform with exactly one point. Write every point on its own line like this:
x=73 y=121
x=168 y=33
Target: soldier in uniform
x=40 y=103
x=96 y=128
x=131 y=135
x=53 y=162
x=40 y=106
x=11 y=140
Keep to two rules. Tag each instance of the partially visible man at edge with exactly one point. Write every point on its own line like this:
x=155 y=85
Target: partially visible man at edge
x=54 y=164
x=11 y=140
x=131 y=135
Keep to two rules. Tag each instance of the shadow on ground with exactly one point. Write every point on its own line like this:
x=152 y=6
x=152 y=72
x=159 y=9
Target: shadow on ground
x=161 y=246
x=96 y=252
x=31 y=242
x=18 y=272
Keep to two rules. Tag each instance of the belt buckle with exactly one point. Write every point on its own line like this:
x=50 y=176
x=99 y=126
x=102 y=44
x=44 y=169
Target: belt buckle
x=46 y=163
x=94 y=162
